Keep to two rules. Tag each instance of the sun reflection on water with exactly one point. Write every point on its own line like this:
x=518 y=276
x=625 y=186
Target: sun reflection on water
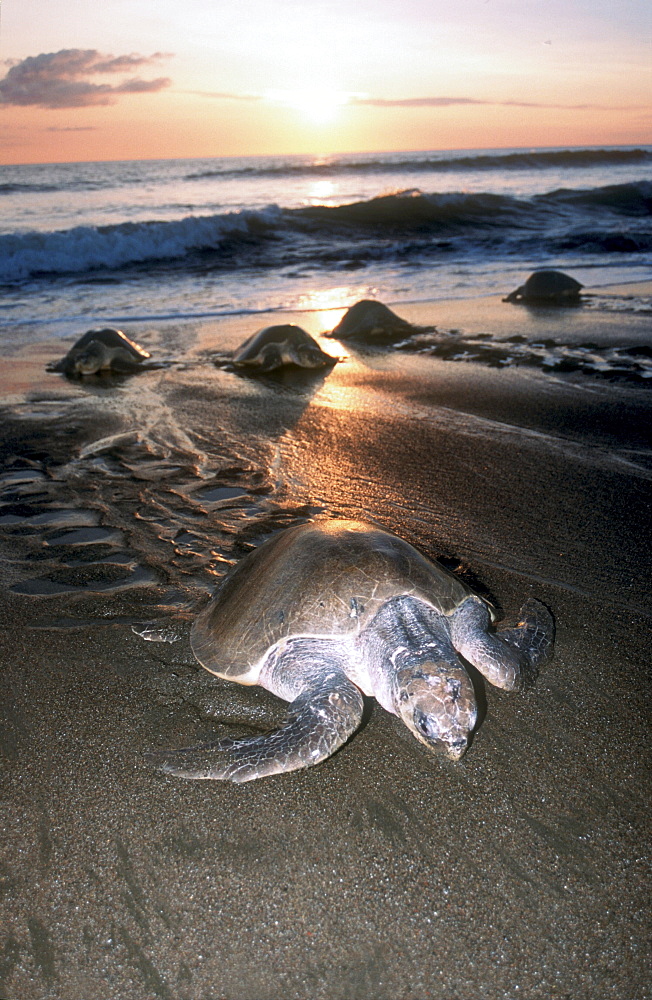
x=321 y=191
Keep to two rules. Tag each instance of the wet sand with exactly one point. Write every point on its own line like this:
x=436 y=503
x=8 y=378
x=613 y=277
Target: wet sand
x=384 y=872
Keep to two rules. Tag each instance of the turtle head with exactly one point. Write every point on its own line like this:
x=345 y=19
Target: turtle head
x=437 y=703
x=89 y=361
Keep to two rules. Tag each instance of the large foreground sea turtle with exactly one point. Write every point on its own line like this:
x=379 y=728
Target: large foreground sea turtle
x=547 y=287
x=276 y=346
x=373 y=322
x=323 y=613
x=102 y=351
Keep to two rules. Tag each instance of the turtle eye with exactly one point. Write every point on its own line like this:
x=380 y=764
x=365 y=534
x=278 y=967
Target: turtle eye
x=423 y=724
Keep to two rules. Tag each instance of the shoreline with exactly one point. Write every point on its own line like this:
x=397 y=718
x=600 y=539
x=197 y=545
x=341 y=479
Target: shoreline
x=173 y=337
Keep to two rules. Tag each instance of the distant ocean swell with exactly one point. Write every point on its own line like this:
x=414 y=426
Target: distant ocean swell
x=541 y=159
x=611 y=219
x=29 y=188
x=296 y=168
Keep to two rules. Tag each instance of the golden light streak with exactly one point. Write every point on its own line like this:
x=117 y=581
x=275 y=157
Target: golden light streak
x=330 y=304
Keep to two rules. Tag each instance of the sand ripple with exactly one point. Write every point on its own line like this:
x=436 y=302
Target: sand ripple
x=154 y=509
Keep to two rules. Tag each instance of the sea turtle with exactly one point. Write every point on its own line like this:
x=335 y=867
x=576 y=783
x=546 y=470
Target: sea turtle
x=102 y=351
x=324 y=612
x=275 y=346
x=547 y=287
x=372 y=321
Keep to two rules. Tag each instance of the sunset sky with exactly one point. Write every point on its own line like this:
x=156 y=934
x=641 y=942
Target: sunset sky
x=138 y=79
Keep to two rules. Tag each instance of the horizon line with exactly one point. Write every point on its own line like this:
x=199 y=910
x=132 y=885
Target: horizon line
x=351 y=152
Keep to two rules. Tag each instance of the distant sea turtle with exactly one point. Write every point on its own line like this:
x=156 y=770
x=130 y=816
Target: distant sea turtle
x=275 y=346
x=102 y=351
x=547 y=288
x=323 y=613
x=372 y=321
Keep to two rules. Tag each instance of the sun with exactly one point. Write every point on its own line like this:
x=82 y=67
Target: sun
x=318 y=106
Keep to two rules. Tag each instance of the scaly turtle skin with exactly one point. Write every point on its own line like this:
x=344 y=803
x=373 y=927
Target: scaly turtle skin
x=547 y=287
x=102 y=351
x=323 y=613
x=373 y=322
x=276 y=346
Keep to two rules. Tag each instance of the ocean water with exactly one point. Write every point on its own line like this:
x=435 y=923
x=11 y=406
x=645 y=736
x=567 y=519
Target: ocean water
x=83 y=244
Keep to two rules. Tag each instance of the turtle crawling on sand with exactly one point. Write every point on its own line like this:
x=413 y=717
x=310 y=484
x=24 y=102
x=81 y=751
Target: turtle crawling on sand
x=324 y=613
x=547 y=287
x=102 y=351
x=373 y=322
x=276 y=346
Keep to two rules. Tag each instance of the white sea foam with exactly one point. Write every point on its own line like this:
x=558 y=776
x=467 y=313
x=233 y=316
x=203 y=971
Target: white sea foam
x=85 y=248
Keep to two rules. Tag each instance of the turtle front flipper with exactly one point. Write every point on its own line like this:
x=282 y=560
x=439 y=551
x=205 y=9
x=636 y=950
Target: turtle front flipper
x=509 y=655
x=532 y=637
x=319 y=721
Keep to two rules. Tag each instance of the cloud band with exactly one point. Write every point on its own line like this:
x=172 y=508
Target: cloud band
x=61 y=79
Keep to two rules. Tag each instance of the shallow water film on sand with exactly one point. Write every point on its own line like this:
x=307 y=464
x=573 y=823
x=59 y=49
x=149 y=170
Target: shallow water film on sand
x=512 y=442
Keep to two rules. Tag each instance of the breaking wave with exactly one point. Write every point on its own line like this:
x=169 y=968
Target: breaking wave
x=404 y=224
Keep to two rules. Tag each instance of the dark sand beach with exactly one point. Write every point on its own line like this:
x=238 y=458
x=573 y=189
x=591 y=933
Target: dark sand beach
x=519 y=872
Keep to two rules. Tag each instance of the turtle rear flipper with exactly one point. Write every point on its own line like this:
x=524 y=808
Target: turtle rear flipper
x=319 y=721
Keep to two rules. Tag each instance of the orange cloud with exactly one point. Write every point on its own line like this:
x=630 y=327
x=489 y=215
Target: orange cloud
x=60 y=79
